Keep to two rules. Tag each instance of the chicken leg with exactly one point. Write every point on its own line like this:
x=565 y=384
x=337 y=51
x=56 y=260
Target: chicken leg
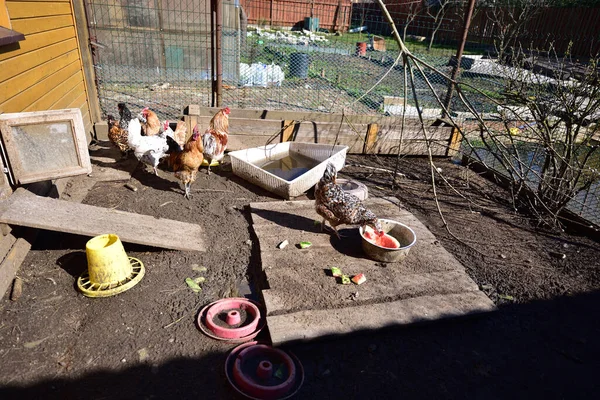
x=187 y=186
x=333 y=227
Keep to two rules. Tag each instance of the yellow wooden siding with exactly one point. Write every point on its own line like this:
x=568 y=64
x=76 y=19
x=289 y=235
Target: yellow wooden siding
x=16 y=65
x=34 y=25
x=37 y=41
x=27 y=97
x=68 y=97
x=47 y=100
x=20 y=9
x=23 y=81
x=44 y=71
x=4 y=20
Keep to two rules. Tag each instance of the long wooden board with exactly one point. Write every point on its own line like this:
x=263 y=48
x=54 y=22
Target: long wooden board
x=26 y=209
x=361 y=135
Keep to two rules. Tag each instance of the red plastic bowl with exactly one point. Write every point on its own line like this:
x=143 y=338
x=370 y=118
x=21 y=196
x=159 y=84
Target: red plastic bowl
x=233 y=303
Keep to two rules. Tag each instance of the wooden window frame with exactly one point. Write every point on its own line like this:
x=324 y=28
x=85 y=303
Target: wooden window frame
x=7 y=35
x=14 y=157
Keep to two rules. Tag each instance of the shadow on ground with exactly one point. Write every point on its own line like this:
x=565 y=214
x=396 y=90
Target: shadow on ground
x=544 y=349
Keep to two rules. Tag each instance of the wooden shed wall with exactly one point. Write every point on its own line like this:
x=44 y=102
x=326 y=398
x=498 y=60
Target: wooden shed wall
x=45 y=71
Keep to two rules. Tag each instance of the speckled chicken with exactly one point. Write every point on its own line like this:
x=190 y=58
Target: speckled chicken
x=117 y=135
x=338 y=207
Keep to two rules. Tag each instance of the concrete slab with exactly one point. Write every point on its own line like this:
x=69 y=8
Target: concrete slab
x=299 y=282
x=308 y=325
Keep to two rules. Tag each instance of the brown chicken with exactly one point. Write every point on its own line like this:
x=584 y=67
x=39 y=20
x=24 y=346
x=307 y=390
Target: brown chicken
x=220 y=121
x=179 y=137
x=150 y=123
x=180 y=133
x=117 y=135
x=186 y=163
x=338 y=207
x=214 y=140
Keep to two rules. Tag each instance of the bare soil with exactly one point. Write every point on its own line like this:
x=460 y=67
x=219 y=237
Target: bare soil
x=143 y=344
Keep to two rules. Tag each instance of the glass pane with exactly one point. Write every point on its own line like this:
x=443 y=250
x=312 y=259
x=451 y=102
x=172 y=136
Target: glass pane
x=45 y=146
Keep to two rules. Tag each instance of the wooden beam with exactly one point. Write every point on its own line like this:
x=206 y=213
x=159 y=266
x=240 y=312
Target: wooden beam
x=87 y=63
x=26 y=209
x=371 y=138
x=288 y=127
x=455 y=141
x=28 y=26
x=11 y=263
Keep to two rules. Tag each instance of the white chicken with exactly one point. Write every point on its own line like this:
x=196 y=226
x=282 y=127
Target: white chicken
x=147 y=149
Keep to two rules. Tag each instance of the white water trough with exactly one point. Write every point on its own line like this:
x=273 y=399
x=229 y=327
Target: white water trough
x=299 y=166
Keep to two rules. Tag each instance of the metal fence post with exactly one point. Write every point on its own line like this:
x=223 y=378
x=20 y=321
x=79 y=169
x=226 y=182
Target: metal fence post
x=219 y=52
x=459 y=54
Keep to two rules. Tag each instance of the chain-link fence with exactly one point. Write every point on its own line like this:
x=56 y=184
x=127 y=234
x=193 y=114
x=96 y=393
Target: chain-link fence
x=153 y=53
x=334 y=56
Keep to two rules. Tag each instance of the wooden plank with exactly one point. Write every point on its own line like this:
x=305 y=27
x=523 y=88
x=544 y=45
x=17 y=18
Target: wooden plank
x=32 y=76
x=24 y=9
x=6 y=243
x=16 y=65
x=5 y=188
x=241 y=142
x=11 y=264
x=5 y=229
x=455 y=142
x=310 y=325
x=371 y=138
x=25 y=209
x=33 y=94
x=87 y=63
x=45 y=102
x=37 y=41
x=4 y=17
x=381 y=120
x=28 y=26
x=288 y=130
x=64 y=101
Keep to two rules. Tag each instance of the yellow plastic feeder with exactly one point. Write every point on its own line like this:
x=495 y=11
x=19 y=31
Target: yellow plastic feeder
x=110 y=271
x=214 y=163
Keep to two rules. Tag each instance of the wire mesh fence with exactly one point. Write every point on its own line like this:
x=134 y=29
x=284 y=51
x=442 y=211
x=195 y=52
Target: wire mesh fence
x=153 y=54
x=332 y=56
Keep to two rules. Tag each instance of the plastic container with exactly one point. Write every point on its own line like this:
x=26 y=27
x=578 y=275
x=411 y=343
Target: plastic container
x=299 y=65
x=244 y=164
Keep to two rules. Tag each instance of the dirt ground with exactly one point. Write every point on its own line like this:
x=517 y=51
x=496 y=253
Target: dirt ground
x=143 y=344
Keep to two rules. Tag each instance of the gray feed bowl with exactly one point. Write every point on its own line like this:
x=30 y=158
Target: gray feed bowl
x=353 y=187
x=405 y=235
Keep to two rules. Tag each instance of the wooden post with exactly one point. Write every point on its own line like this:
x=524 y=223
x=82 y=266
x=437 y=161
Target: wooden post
x=11 y=263
x=87 y=63
x=287 y=134
x=5 y=189
x=371 y=138
x=455 y=141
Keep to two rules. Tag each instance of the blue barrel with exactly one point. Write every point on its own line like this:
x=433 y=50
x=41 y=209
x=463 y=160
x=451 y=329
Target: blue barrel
x=299 y=65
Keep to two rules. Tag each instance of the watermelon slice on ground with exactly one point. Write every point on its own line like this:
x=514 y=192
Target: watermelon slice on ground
x=336 y=272
x=359 y=278
x=345 y=280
